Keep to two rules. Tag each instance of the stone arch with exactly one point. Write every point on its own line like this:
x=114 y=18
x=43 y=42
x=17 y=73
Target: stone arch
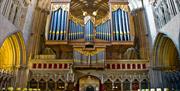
x=164 y=52
x=51 y=84
x=135 y=84
x=13 y=52
x=60 y=84
x=33 y=83
x=117 y=85
x=89 y=80
x=144 y=84
x=126 y=85
x=108 y=85
x=42 y=84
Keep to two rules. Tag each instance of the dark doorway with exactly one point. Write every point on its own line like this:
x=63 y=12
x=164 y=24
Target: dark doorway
x=90 y=88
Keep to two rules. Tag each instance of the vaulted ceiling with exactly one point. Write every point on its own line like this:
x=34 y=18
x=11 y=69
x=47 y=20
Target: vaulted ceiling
x=101 y=6
x=79 y=6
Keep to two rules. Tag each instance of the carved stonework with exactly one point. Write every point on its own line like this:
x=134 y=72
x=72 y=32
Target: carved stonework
x=112 y=75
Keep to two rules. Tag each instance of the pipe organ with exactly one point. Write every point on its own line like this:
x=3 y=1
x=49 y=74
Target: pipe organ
x=117 y=28
x=120 y=24
x=76 y=31
x=58 y=23
x=103 y=31
x=89 y=29
x=89 y=58
x=88 y=38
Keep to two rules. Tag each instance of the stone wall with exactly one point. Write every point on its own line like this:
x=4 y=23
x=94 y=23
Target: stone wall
x=6 y=28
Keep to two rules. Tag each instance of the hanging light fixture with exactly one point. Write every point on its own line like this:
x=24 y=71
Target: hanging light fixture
x=95 y=13
x=84 y=13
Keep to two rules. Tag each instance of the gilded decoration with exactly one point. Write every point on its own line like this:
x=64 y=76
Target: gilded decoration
x=100 y=21
x=76 y=20
x=89 y=53
x=124 y=7
x=56 y=6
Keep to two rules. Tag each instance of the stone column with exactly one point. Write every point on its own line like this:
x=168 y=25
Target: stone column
x=140 y=84
x=28 y=21
x=46 y=85
x=66 y=85
x=16 y=76
x=23 y=77
x=40 y=26
x=130 y=85
x=55 y=85
x=121 y=85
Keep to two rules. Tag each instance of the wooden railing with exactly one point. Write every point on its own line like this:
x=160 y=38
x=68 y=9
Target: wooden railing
x=64 y=64
x=136 y=64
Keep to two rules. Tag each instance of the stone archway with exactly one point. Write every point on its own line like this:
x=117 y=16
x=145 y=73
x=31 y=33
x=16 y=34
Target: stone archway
x=13 y=57
x=89 y=83
x=165 y=60
x=165 y=53
x=12 y=52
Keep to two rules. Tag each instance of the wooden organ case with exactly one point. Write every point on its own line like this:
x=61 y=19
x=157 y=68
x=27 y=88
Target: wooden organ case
x=89 y=42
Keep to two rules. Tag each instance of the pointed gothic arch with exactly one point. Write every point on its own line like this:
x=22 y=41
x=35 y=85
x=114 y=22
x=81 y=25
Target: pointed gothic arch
x=13 y=52
x=164 y=52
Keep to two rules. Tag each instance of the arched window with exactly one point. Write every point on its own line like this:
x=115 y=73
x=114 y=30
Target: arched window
x=135 y=85
x=51 y=85
x=42 y=85
x=144 y=84
x=117 y=85
x=60 y=85
x=108 y=85
x=126 y=85
x=33 y=83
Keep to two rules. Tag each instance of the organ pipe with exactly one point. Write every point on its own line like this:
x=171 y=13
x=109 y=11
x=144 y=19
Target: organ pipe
x=120 y=24
x=58 y=25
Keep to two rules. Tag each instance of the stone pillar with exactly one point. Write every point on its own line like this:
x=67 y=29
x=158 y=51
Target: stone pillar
x=130 y=85
x=28 y=21
x=38 y=30
x=46 y=85
x=23 y=77
x=140 y=84
x=35 y=41
x=154 y=79
x=112 y=85
x=37 y=84
x=16 y=77
x=65 y=86
x=55 y=85
x=121 y=85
